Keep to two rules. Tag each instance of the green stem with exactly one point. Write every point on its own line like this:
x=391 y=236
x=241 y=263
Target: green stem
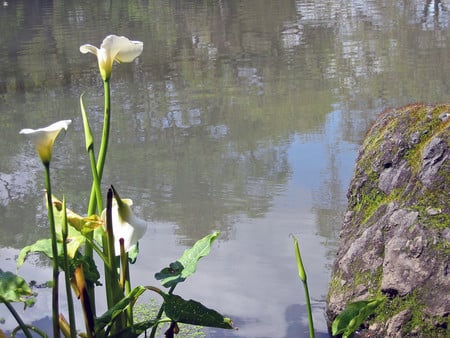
x=160 y=312
x=51 y=218
x=29 y=327
x=19 y=320
x=95 y=200
x=113 y=290
x=103 y=146
x=73 y=331
x=308 y=307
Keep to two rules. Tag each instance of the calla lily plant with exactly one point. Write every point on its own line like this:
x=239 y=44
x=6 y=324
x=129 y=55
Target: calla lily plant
x=113 y=48
x=115 y=233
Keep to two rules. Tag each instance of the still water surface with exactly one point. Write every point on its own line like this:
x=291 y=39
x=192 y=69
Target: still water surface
x=240 y=116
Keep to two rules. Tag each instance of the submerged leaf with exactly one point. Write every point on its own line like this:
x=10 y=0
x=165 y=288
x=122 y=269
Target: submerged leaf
x=178 y=271
x=13 y=288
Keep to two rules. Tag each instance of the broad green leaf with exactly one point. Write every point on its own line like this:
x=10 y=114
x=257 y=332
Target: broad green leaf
x=41 y=246
x=178 y=271
x=13 y=288
x=193 y=312
x=44 y=246
x=109 y=316
x=349 y=320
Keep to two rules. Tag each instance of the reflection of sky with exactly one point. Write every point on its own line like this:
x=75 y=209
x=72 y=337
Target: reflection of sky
x=252 y=277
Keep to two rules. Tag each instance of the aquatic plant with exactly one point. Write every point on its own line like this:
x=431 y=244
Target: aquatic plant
x=304 y=279
x=112 y=233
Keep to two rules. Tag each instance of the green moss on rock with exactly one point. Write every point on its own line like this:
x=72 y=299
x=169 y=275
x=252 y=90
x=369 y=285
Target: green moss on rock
x=395 y=238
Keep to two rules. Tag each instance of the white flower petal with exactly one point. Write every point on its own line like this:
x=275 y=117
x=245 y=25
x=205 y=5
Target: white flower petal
x=125 y=225
x=114 y=48
x=43 y=138
x=89 y=49
x=121 y=48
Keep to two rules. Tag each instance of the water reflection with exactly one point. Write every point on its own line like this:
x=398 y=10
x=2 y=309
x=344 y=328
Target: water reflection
x=241 y=116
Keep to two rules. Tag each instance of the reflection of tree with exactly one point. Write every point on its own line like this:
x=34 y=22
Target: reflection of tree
x=209 y=108
x=201 y=183
x=433 y=8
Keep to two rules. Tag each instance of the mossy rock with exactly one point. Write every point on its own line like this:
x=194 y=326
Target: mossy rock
x=395 y=238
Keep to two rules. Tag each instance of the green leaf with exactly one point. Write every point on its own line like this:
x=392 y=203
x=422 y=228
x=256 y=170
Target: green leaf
x=13 y=288
x=109 y=316
x=349 y=320
x=44 y=246
x=87 y=128
x=178 y=271
x=193 y=312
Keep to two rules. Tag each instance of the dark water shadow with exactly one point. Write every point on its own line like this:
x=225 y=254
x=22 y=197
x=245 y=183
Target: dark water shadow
x=296 y=317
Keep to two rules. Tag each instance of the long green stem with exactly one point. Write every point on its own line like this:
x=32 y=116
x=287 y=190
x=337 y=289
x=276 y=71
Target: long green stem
x=96 y=184
x=113 y=290
x=108 y=251
x=308 y=306
x=65 y=230
x=103 y=145
x=51 y=218
x=125 y=282
x=159 y=315
x=19 y=320
x=95 y=200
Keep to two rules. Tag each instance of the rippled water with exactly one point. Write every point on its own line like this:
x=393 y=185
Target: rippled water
x=240 y=116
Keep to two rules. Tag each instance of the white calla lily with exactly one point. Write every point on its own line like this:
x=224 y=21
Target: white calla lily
x=113 y=48
x=125 y=224
x=44 y=138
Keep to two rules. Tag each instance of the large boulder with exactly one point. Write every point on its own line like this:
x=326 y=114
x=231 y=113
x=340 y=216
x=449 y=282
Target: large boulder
x=395 y=237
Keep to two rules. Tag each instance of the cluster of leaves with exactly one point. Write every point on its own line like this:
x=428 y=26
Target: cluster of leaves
x=174 y=308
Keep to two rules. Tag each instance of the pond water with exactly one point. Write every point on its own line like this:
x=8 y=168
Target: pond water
x=240 y=116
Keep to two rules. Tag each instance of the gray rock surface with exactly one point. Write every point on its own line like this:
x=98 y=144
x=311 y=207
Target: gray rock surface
x=395 y=237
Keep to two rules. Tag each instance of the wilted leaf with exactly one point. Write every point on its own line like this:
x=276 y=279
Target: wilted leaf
x=178 y=271
x=79 y=226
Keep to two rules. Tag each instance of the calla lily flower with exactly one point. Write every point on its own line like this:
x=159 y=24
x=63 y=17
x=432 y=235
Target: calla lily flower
x=44 y=138
x=113 y=48
x=125 y=224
